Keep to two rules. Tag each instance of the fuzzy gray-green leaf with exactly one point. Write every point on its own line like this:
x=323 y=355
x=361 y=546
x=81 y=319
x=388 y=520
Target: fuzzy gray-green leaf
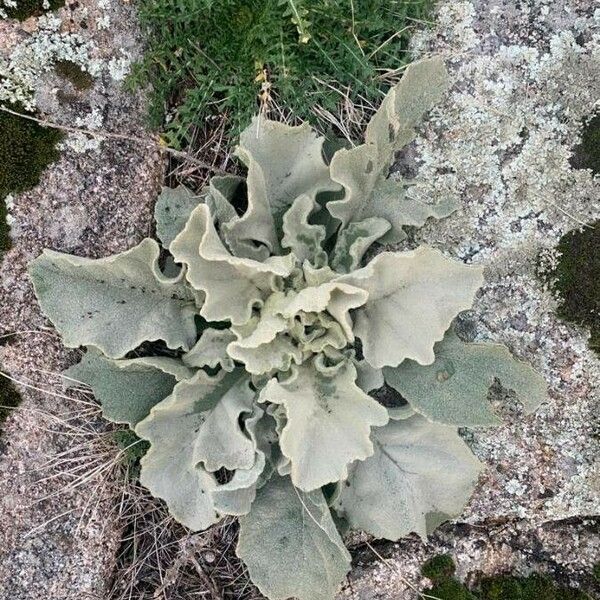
x=301 y=237
x=236 y=496
x=211 y=350
x=354 y=240
x=363 y=170
x=290 y=544
x=454 y=389
x=420 y=475
x=283 y=163
x=232 y=285
x=127 y=389
x=169 y=470
x=172 y=210
x=329 y=419
x=114 y=303
x=413 y=298
x=422 y=86
x=220 y=442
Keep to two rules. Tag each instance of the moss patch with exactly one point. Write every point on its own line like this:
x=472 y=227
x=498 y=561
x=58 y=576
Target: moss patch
x=439 y=567
x=533 y=587
x=440 y=570
x=576 y=280
x=4 y=229
x=26 y=149
x=9 y=398
x=32 y=8
x=71 y=71
x=587 y=154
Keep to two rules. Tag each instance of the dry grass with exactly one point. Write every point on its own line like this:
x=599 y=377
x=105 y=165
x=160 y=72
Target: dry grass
x=158 y=558
x=209 y=147
x=209 y=141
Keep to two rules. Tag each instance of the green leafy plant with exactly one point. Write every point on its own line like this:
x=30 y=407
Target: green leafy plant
x=259 y=406
x=131 y=449
x=207 y=58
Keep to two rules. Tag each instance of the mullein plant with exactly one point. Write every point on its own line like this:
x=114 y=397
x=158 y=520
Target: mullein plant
x=278 y=316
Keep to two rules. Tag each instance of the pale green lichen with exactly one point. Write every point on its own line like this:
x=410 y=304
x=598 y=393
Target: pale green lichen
x=20 y=72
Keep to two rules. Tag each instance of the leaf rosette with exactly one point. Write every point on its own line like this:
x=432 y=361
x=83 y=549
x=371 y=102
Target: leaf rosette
x=259 y=403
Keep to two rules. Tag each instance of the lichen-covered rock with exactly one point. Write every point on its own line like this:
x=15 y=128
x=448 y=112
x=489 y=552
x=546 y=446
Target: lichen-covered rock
x=526 y=76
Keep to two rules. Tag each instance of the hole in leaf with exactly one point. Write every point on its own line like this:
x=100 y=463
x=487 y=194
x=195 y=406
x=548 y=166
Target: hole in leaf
x=224 y=475
x=239 y=200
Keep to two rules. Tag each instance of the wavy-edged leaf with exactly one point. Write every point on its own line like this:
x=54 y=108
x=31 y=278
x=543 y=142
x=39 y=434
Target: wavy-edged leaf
x=211 y=350
x=329 y=419
x=262 y=347
x=280 y=462
x=357 y=171
x=127 y=389
x=283 y=163
x=454 y=389
x=221 y=192
x=169 y=470
x=399 y=413
x=276 y=355
x=315 y=277
x=172 y=210
x=236 y=497
x=367 y=377
x=422 y=86
x=232 y=285
x=336 y=298
x=420 y=475
x=370 y=196
x=362 y=170
x=318 y=332
x=304 y=239
x=355 y=240
x=220 y=441
x=413 y=298
x=290 y=544
x=221 y=197
x=395 y=201
x=114 y=303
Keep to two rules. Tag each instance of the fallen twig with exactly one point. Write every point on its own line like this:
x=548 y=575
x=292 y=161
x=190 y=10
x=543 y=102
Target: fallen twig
x=118 y=136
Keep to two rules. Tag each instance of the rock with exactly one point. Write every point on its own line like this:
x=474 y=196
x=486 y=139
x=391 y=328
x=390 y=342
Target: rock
x=58 y=532
x=526 y=76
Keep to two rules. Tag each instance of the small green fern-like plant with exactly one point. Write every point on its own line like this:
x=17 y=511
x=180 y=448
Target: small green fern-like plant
x=261 y=406
x=225 y=58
